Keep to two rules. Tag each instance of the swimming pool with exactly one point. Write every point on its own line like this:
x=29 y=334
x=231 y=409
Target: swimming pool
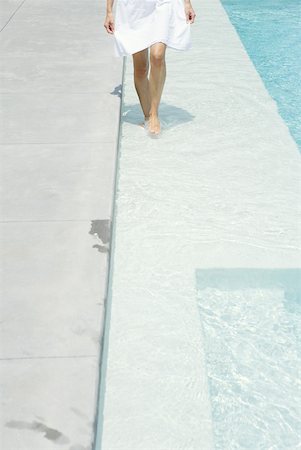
x=252 y=328
x=271 y=33
x=251 y=317
x=191 y=357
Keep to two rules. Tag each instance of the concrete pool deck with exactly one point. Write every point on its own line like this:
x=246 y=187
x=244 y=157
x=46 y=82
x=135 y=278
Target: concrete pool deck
x=60 y=102
x=219 y=189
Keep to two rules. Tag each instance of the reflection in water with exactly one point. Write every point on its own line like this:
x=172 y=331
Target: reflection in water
x=252 y=328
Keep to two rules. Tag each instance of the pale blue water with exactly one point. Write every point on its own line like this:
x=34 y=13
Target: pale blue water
x=251 y=320
x=271 y=33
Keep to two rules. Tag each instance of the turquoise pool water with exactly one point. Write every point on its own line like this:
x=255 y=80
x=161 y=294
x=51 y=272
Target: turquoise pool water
x=251 y=321
x=271 y=33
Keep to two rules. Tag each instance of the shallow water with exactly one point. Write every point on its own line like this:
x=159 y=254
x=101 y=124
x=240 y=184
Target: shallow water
x=271 y=33
x=208 y=193
x=252 y=328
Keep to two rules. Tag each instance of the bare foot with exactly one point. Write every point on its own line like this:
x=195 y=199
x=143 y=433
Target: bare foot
x=154 y=126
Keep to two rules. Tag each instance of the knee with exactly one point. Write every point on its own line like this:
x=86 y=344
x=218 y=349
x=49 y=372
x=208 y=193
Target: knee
x=157 y=57
x=141 y=71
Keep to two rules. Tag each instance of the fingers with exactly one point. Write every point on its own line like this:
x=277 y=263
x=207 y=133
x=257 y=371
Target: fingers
x=109 y=26
x=190 y=16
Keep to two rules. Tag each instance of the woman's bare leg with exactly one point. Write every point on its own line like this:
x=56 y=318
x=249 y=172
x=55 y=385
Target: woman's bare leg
x=141 y=65
x=156 y=83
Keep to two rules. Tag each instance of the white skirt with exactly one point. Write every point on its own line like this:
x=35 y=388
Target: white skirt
x=141 y=23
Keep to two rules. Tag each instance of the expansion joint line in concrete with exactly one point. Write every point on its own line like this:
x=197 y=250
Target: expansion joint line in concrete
x=21 y=358
x=104 y=345
x=15 y=11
